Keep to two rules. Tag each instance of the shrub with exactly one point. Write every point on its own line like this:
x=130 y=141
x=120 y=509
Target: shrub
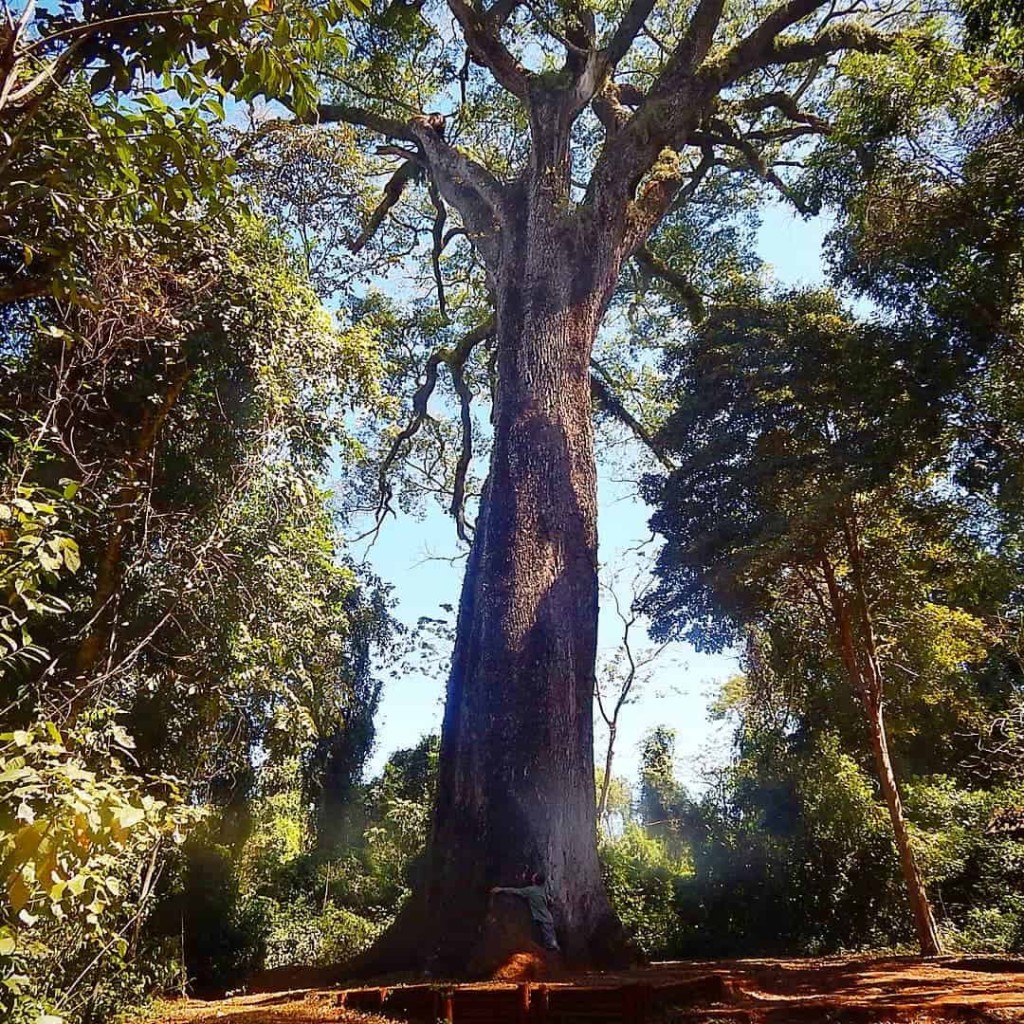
x=641 y=877
x=81 y=843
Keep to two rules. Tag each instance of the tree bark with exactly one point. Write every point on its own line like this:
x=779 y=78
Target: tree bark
x=516 y=774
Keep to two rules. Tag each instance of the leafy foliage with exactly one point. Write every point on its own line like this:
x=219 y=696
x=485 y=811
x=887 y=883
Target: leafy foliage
x=79 y=846
x=37 y=551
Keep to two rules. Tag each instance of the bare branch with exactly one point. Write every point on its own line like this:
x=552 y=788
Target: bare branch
x=458 y=505
x=455 y=359
x=755 y=161
x=440 y=216
x=697 y=175
x=787 y=106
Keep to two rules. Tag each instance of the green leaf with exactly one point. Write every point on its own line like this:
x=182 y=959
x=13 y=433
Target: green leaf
x=72 y=556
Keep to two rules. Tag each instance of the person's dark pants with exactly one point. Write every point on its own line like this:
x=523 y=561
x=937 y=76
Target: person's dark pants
x=548 y=939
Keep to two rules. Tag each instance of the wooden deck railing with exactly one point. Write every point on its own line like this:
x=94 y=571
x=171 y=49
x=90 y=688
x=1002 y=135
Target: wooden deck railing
x=532 y=1003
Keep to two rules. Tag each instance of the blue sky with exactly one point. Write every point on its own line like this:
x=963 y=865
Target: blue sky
x=410 y=554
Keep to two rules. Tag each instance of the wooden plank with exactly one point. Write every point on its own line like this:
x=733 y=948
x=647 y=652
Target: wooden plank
x=595 y=1004
x=486 y=1006
x=539 y=1005
x=415 y=1003
x=365 y=999
x=523 y=1003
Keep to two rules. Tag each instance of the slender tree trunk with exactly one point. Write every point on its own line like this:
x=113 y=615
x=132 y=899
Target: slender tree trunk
x=516 y=771
x=865 y=677
x=924 y=921
x=606 y=782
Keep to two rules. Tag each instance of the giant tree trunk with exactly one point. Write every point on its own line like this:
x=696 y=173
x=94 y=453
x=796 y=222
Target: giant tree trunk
x=516 y=775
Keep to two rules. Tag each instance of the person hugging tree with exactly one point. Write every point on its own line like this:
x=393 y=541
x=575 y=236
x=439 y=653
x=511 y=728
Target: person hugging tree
x=536 y=898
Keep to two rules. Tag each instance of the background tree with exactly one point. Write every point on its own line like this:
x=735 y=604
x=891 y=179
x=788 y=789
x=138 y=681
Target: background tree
x=805 y=443
x=179 y=595
x=95 y=84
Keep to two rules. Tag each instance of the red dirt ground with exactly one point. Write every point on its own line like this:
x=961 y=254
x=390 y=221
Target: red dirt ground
x=840 y=990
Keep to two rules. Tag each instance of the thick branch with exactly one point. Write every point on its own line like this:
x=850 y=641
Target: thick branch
x=463 y=183
x=852 y=36
x=387 y=126
x=584 y=63
x=485 y=45
x=455 y=358
x=687 y=55
x=692 y=48
x=685 y=94
x=835 y=39
x=750 y=50
x=674 y=103
x=500 y=11
x=626 y=31
x=612 y=105
x=653 y=199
